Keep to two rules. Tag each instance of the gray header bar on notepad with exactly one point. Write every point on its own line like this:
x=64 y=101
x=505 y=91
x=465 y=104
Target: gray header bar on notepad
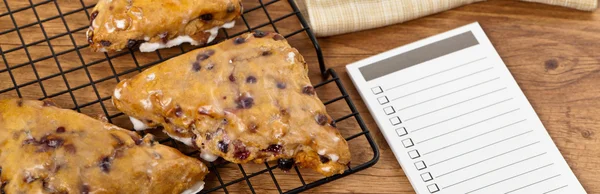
x=418 y=55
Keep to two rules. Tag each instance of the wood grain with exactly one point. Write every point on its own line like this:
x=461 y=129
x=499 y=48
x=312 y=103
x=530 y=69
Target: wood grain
x=553 y=53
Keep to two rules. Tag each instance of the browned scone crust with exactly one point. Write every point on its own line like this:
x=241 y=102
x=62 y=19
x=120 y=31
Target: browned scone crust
x=118 y=24
x=45 y=149
x=246 y=99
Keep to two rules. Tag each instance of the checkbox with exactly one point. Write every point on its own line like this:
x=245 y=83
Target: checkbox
x=420 y=165
x=433 y=188
x=383 y=100
x=377 y=90
x=426 y=176
x=395 y=120
x=401 y=131
x=408 y=143
x=414 y=154
x=389 y=110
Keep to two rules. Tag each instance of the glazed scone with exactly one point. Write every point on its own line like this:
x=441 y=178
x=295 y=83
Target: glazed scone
x=45 y=149
x=119 y=24
x=244 y=99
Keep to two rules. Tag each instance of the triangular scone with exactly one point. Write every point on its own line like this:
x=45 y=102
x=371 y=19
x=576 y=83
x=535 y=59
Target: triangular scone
x=45 y=149
x=246 y=99
x=119 y=24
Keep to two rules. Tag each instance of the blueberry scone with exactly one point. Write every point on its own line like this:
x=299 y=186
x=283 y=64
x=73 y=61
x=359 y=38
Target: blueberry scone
x=245 y=99
x=119 y=24
x=45 y=149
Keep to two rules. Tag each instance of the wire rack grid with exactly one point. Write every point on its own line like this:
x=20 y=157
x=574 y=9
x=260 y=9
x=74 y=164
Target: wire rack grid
x=44 y=56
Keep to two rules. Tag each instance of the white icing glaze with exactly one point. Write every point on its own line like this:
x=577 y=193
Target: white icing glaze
x=37 y=167
x=117 y=93
x=321 y=152
x=334 y=157
x=213 y=34
x=326 y=168
x=150 y=77
x=137 y=124
x=165 y=102
x=87 y=33
x=278 y=134
x=120 y=23
x=136 y=14
x=109 y=28
x=230 y=61
x=149 y=46
x=152 y=46
x=206 y=108
x=195 y=188
x=185 y=140
x=290 y=57
x=146 y=103
x=208 y=156
x=336 y=139
x=181 y=39
x=215 y=30
x=228 y=25
x=94 y=24
x=102 y=49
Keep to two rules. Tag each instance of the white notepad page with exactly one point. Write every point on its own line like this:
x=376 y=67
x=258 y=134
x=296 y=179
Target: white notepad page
x=456 y=119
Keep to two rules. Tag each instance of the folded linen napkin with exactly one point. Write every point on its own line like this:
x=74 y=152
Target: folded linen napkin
x=332 y=17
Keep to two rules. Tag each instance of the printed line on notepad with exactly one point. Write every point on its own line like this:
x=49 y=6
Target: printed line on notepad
x=454 y=104
x=496 y=169
x=450 y=81
x=470 y=138
x=467 y=166
x=461 y=115
x=518 y=175
x=497 y=142
x=444 y=95
x=532 y=184
x=552 y=190
x=435 y=73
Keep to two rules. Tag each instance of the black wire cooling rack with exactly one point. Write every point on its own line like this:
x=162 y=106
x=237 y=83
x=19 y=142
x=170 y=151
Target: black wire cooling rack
x=45 y=57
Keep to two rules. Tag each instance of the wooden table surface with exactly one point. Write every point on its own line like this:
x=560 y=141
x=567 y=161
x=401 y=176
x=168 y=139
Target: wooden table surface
x=553 y=53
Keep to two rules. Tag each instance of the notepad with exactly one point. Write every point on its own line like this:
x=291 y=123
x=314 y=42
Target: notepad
x=456 y=119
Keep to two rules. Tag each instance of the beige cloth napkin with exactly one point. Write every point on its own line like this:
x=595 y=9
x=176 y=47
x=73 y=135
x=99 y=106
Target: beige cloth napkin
x=332 y=17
